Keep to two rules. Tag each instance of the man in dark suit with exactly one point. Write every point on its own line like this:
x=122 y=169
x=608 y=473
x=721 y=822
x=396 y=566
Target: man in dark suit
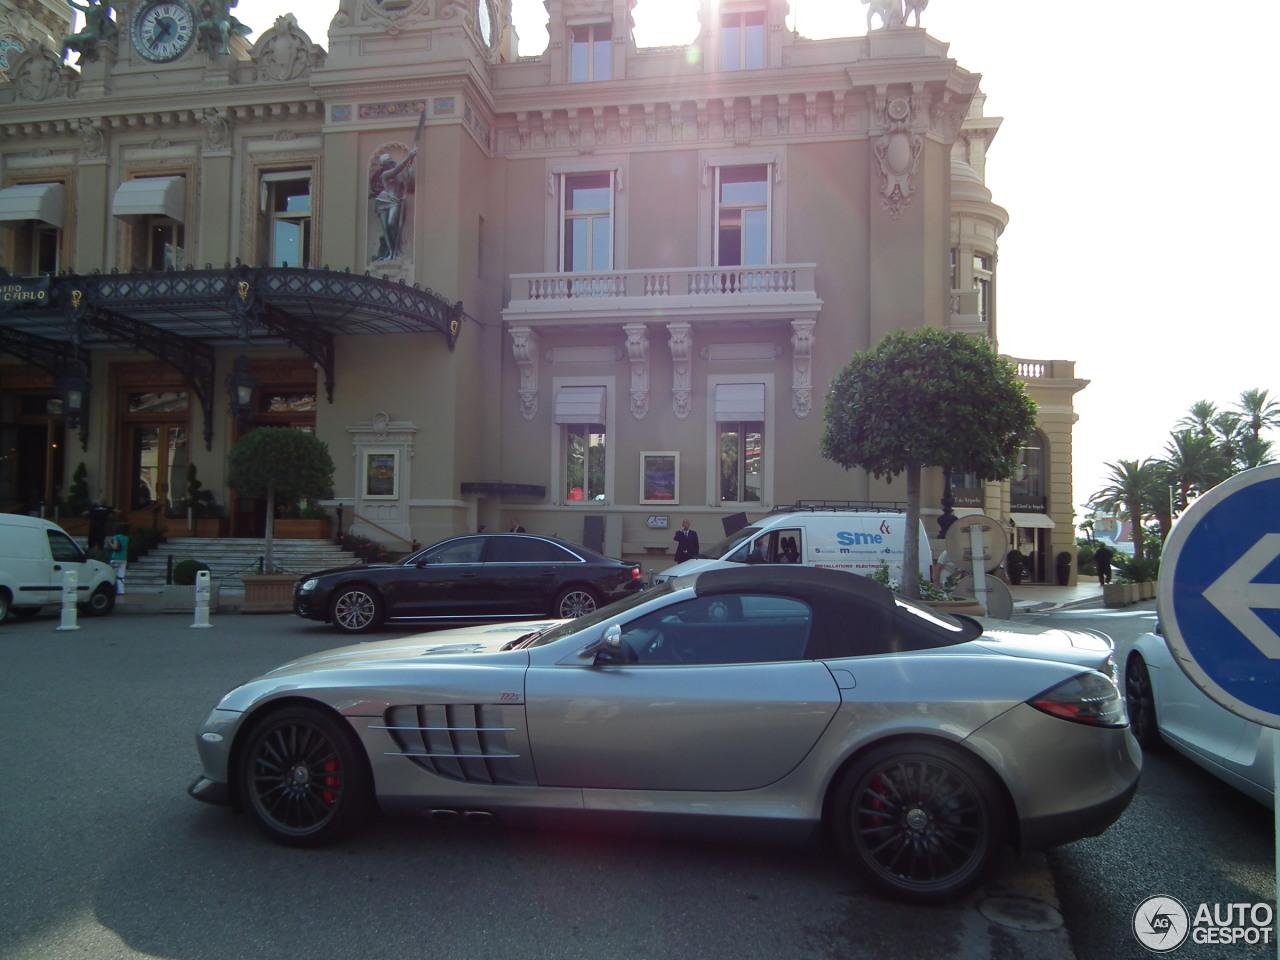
x=686 y=543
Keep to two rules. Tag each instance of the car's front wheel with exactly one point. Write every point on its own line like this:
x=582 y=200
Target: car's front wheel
x=356 y=609
x=574 y=602
x=303 y=777
x=101 y=602
x=922 y=821
x=1140 y=701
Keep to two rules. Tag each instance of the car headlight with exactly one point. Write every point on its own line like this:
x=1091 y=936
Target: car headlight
x=307 y=585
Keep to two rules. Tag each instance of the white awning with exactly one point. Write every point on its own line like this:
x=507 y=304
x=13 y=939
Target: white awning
x=32 y=201
x=580 y=405
x=1040 y=520
x=151 y=197
x=739 y=401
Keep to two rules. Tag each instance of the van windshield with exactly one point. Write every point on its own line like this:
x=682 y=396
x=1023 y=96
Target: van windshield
x=730 y=543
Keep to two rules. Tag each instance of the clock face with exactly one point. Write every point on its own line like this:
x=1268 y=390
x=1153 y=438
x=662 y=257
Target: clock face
x=486 y=21
x=163 y=29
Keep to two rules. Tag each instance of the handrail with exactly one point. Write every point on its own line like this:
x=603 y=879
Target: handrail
x=413 y=544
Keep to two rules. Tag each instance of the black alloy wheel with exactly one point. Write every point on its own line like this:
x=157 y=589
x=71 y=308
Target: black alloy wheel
x=1140 y=700
x=303 y=777
x=356 y=609
x=922 y=821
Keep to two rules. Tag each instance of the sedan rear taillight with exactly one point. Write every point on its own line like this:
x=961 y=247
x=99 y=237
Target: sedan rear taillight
x=635 y=573
x=1089 y=698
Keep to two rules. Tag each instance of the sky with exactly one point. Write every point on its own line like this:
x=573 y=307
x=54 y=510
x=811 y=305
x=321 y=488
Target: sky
x=1132 y=160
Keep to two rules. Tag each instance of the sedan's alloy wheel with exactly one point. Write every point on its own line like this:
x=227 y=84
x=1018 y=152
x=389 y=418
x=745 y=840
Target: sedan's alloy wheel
x=357 y=610
x=575 y=603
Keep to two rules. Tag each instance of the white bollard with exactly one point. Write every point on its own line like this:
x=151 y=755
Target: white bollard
x=70 y=586
x=203 y=590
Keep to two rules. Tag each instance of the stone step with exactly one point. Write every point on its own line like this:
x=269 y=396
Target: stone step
x=230 y=558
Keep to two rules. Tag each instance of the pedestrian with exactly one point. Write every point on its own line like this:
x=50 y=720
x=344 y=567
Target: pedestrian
x=686 y=543
x=515 y=526
x=119 y=547
x=1102 y=563
x=98 y=516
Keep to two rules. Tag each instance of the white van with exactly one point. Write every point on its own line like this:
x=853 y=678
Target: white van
x=34 y=554
x=837 y=539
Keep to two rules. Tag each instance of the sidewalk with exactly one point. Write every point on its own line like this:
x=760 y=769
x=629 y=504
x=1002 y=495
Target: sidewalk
x=1034 y=597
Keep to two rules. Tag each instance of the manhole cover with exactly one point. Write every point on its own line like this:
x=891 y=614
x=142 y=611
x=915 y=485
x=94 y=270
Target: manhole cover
x=1021 y=913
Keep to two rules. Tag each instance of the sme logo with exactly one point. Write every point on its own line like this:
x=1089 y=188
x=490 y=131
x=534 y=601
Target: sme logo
x=848 y=539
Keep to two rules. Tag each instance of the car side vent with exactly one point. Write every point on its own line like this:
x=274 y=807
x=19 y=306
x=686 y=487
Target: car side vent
x=468 y=742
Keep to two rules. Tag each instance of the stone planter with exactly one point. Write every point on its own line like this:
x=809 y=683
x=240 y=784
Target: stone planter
x=1147 y=590
x=1115 y=594
x=969 y=608
x=182 y=599
x=303 y=529
x=268 y=593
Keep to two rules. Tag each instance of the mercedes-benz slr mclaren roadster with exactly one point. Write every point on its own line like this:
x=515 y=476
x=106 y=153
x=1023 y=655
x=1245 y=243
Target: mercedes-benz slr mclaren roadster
x=811 y=703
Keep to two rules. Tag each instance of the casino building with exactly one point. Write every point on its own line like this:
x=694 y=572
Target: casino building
x=602 y=288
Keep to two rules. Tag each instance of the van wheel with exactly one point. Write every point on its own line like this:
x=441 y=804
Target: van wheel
x=101 y=602
x=4 y=606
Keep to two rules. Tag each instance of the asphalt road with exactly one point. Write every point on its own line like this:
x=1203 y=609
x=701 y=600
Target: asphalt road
x=105 y=856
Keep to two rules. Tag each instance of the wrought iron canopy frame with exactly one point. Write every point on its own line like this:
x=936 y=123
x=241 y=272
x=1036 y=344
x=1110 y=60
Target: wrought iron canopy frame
x=182 y=317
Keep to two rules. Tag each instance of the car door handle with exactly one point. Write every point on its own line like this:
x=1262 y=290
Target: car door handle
x=468 y=576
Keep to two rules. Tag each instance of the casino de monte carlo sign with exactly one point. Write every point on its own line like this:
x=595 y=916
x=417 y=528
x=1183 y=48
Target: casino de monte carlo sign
x=18 y=292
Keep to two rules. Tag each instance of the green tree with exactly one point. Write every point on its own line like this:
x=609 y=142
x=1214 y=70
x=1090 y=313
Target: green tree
x=1131 y=490
x=927 y=398
x=280 y=462
x=1258 y=412
x=1195 y=463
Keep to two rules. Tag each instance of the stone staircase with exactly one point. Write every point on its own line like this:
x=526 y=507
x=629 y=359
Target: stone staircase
x=230 y=558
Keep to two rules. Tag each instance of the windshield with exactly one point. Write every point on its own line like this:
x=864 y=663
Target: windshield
x=610 y=612
x=730 y=543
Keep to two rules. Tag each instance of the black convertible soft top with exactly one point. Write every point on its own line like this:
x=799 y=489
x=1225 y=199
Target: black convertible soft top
x=853 y=616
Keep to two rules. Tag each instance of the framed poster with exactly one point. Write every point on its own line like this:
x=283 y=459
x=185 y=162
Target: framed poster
x=660 y=477
x=381 y=475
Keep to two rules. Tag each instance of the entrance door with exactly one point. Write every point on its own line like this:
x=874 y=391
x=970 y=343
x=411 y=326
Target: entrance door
x=157 y=466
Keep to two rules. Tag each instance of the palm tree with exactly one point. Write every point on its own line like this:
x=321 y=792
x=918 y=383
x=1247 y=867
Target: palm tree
x=1254 y=452
x=1200 y=418
x=1133 y=486
x=1258 y=412
x=1195 y=463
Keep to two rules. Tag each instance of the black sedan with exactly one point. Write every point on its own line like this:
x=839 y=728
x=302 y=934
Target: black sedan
x=481 y=578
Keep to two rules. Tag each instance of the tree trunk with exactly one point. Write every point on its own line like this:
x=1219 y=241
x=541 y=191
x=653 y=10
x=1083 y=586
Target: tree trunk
x=1135 y=521
x=268 y=560
x=911 y=536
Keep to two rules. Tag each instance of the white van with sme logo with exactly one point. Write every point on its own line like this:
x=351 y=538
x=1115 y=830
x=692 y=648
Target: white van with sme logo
x=852 y=540
x=34 y=556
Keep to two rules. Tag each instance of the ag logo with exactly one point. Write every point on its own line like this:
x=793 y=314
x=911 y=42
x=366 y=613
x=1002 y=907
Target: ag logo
x=1161 y=924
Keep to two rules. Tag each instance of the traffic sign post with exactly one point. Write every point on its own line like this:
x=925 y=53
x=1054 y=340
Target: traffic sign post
x=1219 y=594
x=1219 y=599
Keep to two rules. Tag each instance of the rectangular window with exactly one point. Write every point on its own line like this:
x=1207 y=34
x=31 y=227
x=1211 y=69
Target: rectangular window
x=586 y=222
x=982 y=283
x=286 y=218
x=33 y=212
x=590 y=56
x=739 y=410
x=742 y=41
x=39 y=249
x=742 y=215
x=584 y=461
x=158 y=244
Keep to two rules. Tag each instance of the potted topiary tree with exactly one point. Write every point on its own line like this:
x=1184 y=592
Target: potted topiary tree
x=277 y=464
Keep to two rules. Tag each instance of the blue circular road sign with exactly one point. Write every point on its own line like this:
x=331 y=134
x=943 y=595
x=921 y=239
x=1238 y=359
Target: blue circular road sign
x=1220 y=594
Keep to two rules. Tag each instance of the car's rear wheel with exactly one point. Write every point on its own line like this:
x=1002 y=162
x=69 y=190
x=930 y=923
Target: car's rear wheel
x=574 y=602
x=1140 y=701
x=303 y=777
x=923 y=822
x=101 y=602
x=356 y=609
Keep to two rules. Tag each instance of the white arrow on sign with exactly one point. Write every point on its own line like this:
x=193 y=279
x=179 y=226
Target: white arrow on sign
x=1235 y=596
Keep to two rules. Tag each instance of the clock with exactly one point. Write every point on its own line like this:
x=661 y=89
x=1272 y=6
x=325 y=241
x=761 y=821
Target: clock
x=486 y=22
x=163 y=29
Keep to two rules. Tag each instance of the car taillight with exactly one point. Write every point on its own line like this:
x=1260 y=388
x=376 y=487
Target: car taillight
x=635 y=573
x=1087 y=698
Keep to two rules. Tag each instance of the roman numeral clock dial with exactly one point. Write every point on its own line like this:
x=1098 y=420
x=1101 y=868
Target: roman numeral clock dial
x=163 y=29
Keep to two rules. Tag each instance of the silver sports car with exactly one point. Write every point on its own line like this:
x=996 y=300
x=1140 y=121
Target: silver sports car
x=782 y=698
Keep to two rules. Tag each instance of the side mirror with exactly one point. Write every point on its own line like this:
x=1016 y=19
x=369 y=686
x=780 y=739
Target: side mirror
x=609 y=647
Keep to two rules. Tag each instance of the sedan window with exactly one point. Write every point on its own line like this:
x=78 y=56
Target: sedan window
x=465 y=550
x=509 y=549
x=722 y=629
